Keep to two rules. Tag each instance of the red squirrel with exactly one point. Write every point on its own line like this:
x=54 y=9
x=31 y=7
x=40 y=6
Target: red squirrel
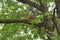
x=31 y=17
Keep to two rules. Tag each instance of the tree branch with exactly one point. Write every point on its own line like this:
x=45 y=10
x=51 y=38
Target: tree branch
x=16 y=21
x=33 y=4
x=20 y=21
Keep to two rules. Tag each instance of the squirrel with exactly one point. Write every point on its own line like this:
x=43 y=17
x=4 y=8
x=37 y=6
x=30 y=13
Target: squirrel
x=31 y=17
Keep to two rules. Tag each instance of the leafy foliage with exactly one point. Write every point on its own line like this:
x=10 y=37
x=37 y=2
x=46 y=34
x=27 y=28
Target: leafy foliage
x=10 y=9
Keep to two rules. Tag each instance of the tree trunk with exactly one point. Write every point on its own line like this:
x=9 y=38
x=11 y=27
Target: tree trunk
x=58 y=14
